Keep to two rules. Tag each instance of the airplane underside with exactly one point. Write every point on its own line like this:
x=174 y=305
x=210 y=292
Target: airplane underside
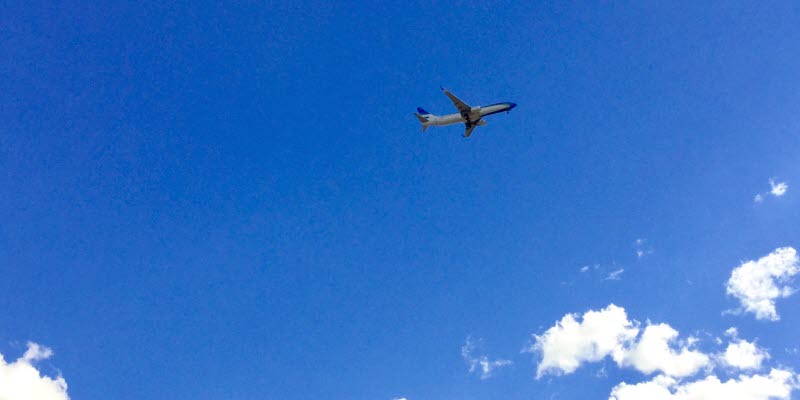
x=469 y=116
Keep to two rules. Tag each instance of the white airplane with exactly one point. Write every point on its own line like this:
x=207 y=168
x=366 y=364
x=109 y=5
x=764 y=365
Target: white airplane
x=469 y=116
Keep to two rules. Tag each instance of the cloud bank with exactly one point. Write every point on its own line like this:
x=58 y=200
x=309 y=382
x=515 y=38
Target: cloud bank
x=657 y=349
x=777 y=385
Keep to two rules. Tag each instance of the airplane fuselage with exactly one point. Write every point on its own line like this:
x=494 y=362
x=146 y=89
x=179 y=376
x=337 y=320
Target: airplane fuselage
x=476 y=113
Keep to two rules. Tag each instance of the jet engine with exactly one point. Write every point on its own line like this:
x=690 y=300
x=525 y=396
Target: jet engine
x=475 y=113
x=481 y=122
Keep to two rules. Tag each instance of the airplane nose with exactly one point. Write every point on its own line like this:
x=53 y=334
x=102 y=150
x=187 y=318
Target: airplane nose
x=511 y=105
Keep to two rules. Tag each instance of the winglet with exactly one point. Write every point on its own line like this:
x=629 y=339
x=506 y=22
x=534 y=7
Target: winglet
x=441 y=87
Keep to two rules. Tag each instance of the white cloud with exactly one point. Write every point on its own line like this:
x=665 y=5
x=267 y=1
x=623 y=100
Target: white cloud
x=609 y=332
x=744 y=355
x=481 y=363
x=657 y=348
x=778 y=385
x=37 y=352
x=615 y=275
x=757 y=284
x=652 y=352
x=778 y=189
x=20 y=380
x=585 y=268
x=569 y=343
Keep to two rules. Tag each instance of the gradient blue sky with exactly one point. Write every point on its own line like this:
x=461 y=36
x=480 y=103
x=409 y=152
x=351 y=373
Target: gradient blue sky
x=208 y=201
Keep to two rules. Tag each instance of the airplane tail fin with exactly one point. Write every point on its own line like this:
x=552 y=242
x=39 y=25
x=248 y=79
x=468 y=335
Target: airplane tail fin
x=423 y=112
x=423 y=120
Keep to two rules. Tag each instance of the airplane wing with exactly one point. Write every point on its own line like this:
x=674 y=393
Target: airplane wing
x=470 y=128
x=462 y=107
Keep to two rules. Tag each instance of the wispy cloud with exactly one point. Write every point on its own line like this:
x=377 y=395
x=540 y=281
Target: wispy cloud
x=642 y=248
x=732 y=332
x=777 y=189
x=615 y=275
x=480 y=363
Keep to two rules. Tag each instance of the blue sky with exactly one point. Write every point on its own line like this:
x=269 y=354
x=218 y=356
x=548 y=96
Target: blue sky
x=235 y=201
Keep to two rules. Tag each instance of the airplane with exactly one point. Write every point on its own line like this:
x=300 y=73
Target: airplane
x=469 y=116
